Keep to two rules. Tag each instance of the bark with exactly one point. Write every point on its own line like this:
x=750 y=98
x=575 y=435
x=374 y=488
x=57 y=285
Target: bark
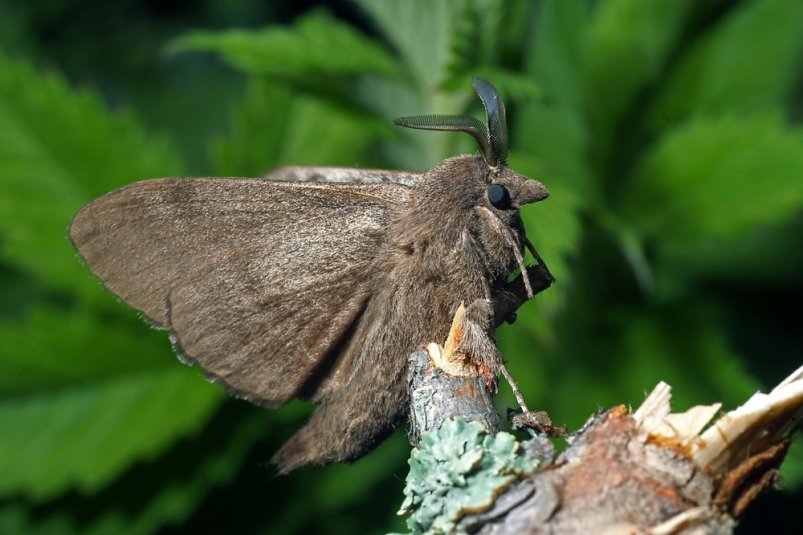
x=648 y=471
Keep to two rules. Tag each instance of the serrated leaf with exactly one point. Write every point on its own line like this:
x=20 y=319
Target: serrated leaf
x=317 y=44
x=84 y=435
x=51 y=348
x=711 y=178
x=425 y=44
x=143 y=500
x=273 y=127
x=427 y=61
x=58 y=150
x=747 y=63
x=82 y=395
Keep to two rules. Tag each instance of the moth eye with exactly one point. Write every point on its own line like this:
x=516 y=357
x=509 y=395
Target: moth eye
x=498 y=196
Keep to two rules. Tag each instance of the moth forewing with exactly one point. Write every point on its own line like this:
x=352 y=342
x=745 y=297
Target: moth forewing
x=258 y=280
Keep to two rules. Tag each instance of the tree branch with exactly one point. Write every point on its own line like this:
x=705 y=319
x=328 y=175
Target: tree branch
x=648 y=471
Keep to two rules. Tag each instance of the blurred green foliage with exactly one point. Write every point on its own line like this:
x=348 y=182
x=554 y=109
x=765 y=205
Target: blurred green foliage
x=668 y=132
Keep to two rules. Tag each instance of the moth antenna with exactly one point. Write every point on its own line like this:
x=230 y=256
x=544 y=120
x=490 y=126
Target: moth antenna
x=491 y=137
x=496 y=119
x=507 y=233
x=458 y=123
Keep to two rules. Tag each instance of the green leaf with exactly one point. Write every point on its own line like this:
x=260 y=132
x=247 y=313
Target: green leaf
x=620 y=361
x=317 y=44
x=748 y=63
x=792 y=467
x=687 y=350
x=715 y=178
x=155 y=494
x=549 y=140
x=767 y=253
x=554 y=53
x=471 y=43
x=554 y=227
x=554 y=130
x=253 y=146
x=345 y=484
x=85 y=434
x=48 y=348
x=426 y=46
x=273 y=127
x=341 y=136
x=424 y=43
x=627 y=44
x=85 y=392
x=58 y=150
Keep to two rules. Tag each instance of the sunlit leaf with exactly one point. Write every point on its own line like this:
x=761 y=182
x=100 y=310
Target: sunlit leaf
x=711 y=178
x=84 y=434
x=745 y=64
x=274 y=127
x=425 y=43
x=50 y=348
x=58 y=150
x=83 y=393
x=316 y=44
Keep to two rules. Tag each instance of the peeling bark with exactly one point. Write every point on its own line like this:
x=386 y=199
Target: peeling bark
x=648 y=471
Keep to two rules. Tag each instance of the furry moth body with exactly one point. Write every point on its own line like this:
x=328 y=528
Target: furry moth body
x=319 y=282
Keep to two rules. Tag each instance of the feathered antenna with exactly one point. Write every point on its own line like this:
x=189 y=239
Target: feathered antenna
x=491 y=137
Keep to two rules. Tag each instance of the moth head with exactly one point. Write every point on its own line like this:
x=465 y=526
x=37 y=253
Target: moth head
x=506 y=189
x=485 y=186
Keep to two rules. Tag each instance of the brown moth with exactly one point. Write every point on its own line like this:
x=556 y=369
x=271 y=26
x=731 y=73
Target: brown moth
x=317 y=282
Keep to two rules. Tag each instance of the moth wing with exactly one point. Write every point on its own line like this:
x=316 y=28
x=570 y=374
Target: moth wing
x=259 y=280
x=349 y=175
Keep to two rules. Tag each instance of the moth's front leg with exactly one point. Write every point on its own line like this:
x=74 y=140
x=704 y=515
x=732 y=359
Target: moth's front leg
x=508 y=299
x=477 y=344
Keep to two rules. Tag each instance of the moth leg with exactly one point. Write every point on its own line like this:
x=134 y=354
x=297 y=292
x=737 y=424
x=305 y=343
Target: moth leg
x=515 y=387
x=539 y=261
x=475 y=341
x=507 y=299
x=481 y=348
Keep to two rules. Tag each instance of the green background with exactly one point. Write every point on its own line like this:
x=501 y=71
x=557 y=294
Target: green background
x=668 y=132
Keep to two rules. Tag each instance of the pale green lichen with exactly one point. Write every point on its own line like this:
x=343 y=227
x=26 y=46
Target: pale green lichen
x=458 y=469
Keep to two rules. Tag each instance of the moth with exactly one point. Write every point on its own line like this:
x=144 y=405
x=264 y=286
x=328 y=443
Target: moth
x=318 y=282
